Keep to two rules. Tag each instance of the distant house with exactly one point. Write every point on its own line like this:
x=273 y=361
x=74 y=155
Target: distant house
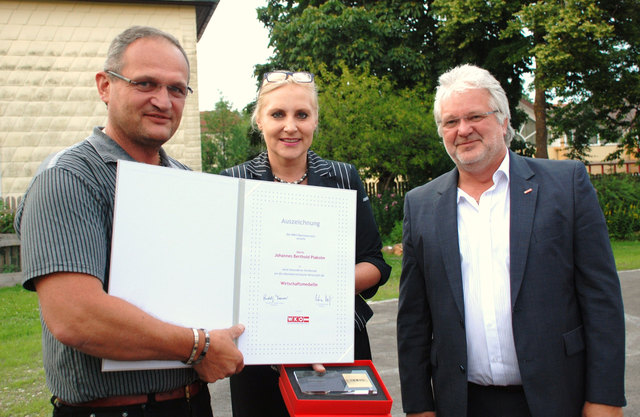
x=49 y=53
x=558 y=146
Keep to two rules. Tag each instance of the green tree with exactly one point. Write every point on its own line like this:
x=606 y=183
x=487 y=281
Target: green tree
x=567 y=40
x=6 y=219
x=373 y=62
x=473 y=32
x=583 y=54
x=385 y=131
x=598 y=93
x=390 y=38
x=223 y=137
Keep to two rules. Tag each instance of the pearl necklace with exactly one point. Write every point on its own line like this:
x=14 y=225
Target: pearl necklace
x=292 y=182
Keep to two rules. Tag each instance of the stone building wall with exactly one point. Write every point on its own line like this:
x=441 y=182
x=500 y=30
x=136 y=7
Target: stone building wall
x=50 y=52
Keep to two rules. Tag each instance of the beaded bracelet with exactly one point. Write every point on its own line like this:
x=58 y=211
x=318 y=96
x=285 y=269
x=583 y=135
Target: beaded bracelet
x=196 y=342
x=206 y=347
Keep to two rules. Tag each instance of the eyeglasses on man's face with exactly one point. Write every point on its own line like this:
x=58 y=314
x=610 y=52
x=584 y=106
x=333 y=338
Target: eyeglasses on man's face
x=176 y=91
x=278 y=76
x=472 y=118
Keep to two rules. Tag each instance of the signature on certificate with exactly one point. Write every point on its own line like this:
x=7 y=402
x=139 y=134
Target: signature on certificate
x=274 y=299
x=323 y=300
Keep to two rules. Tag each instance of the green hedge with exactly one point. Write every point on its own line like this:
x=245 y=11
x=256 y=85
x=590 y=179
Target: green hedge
x=388 y=211
x=618 y=194
x=619 y=197
x=6 y=219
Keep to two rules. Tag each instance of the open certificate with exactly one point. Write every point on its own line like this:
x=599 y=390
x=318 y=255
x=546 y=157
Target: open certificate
x=208 y=251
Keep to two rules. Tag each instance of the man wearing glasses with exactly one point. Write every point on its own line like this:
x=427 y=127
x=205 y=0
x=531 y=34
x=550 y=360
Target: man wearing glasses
x=510 y=304
x=65 y=224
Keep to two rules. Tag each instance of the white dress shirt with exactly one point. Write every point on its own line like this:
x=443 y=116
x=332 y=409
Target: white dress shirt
x=483 y=232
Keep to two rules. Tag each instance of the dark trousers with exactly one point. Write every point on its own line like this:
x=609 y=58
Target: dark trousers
x=198 y=406
x=255 y=391
x=495 y=401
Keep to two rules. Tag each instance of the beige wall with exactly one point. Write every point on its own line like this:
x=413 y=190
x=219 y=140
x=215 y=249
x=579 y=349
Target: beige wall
x=49 y=54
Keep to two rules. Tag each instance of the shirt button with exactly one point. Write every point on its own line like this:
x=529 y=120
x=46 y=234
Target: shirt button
x=462 y=369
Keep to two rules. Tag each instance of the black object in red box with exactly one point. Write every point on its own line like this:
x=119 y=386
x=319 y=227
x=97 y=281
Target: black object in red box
x=350 y=390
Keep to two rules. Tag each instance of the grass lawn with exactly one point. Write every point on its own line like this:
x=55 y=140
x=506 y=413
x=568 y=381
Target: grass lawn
x=23 y=391
x=390 y=289
x=627 y=254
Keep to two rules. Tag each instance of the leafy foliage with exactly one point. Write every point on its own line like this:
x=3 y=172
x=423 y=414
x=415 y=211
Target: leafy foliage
x=387 y=37
x=619 y=197
x=583 y=54
x=6 y=219
x=474 y=32
x=224 y=138
x=385 y=131
x=388 y=210
x=395 y=236
x=522 y=147
x=586 y=56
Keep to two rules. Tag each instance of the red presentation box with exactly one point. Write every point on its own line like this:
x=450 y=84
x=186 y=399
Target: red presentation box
x=300 y=404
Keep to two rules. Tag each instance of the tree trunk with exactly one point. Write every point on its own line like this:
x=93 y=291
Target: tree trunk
x=539 y=109
x=385 y=182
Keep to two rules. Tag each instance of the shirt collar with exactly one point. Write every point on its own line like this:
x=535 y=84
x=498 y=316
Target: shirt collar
x=501 y=175
x=110 y=151
x=260 y=168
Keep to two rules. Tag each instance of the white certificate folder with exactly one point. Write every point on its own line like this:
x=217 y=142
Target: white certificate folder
x=209 y=251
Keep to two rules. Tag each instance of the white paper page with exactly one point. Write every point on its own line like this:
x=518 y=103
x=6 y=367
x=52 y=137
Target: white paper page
x=173 y=248
x=298 y=274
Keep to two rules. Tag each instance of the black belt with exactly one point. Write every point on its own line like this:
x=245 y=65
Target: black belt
x=503 y=388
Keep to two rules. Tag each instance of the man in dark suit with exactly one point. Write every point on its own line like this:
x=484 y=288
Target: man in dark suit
x=510 y=303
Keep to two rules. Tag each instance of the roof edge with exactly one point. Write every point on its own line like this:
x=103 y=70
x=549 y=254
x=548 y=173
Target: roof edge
x=204 y=9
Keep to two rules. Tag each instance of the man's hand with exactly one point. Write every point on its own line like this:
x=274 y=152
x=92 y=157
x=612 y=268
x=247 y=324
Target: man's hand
x=600 y=410
x=425 y=414
x=223 y=358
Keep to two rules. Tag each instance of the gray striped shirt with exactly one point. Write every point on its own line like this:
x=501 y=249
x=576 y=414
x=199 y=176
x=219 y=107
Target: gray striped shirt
x=65 y=223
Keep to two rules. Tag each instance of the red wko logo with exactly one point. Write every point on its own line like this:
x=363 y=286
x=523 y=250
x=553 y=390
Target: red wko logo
x=297 y=319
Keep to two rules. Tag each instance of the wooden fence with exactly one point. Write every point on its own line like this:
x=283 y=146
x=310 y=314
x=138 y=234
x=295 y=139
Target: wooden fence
x=10 y=249
x=399 y=187
x=9 y=260
x=598 y=168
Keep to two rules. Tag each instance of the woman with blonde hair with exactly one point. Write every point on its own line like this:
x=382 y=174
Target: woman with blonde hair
x=286 y=114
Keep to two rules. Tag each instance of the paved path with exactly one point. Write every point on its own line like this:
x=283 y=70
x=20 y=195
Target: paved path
x=382 y=331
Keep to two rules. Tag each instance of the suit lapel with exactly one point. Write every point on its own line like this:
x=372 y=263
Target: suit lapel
x=447 y=231
x=320 y=180
x=524 y=193
x=320 y=171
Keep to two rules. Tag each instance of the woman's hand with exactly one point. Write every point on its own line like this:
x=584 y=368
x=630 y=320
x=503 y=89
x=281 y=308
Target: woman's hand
x=318 y=367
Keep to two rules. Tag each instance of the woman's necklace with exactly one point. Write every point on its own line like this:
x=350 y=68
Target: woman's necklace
x=292 y=182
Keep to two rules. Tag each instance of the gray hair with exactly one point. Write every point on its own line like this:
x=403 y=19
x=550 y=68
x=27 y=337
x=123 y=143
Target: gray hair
x=268 y=87
x=121 y=42
x=470 y=77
